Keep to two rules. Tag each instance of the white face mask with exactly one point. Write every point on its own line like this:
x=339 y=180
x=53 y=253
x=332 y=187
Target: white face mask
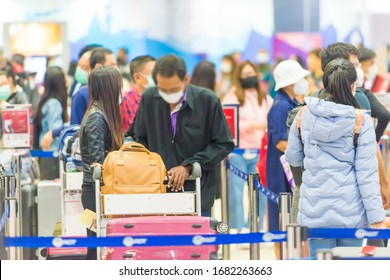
x=372 y=72
x=150 y=81
x=32 y=84
x=171 y=98
x=360 y=77
x=301 y=87
x=226 y=68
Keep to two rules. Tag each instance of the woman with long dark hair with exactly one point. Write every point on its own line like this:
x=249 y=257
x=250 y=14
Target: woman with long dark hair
x=225 y=81
x=51 y=113
x=100 y=131
x=52 y=108
x=254 y=106
x=340 y=183
x=204 y=75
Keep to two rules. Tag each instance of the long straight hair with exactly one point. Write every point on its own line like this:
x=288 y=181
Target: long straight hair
x=339 y=76
x=233 y=63
x=204 y=75
x=105 y=90
x=239 y=90
x=55 y=87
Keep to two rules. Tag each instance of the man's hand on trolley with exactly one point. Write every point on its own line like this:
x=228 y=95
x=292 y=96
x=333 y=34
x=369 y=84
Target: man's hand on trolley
x=176 y=177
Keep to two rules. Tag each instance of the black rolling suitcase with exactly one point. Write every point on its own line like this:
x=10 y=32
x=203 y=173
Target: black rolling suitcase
x=29 y=217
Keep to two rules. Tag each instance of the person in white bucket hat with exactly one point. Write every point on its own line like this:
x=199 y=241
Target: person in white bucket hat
x=290 y=83
x=290 y=73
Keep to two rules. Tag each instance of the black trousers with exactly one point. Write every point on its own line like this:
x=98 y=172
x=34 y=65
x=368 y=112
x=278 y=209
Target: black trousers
x=88 y=201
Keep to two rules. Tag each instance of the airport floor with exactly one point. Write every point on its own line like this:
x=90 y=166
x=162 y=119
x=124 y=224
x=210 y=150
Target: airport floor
x=237 y=252
x=241 y=251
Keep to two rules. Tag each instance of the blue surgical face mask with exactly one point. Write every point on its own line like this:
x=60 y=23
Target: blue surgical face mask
x=5 y=92
x=81 y=76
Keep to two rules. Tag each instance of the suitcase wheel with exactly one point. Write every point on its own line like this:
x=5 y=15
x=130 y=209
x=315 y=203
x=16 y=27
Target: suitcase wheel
x=195 y=256
x=128 y=225
x=214 y=256
x=43 y=252
x=222 y=227
x=128 y=255
x=196 y=225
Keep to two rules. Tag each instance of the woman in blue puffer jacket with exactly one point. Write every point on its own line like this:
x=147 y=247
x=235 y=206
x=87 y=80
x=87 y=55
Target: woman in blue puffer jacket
x=340 y=184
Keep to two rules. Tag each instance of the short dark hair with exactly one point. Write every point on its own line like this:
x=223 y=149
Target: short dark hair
x=366 y=54
x=88 y=48
x=139 y=62
x=169 y=66
x=8 y=71
x=98 y=55
x=337 y=50
x=18 y=58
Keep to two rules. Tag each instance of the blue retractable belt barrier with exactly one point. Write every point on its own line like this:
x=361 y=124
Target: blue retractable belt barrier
x=245 y=151
x=349 y=233
x=129 y=241
x=268 y=193
x=188 y=240
x=44 y=154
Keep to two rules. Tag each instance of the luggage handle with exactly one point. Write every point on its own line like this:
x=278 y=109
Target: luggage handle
x=134 y=147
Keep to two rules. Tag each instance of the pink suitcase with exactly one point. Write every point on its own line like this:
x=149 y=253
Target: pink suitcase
x=66 y=253
x=162 y=225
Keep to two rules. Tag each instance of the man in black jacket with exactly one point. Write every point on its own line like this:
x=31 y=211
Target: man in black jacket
x=184 y=124
x=378 y=111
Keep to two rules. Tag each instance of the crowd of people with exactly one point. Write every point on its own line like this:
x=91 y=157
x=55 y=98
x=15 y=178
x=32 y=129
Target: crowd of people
x=309 y=116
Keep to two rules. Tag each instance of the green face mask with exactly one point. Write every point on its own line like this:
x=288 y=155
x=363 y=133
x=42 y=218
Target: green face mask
x=81 y=76
x=5 y=92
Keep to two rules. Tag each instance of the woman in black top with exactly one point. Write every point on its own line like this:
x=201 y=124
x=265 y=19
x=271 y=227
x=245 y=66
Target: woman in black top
x=100 y=131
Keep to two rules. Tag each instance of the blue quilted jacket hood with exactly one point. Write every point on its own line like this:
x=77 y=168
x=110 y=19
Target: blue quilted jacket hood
x=340 y=184
x=332 y=121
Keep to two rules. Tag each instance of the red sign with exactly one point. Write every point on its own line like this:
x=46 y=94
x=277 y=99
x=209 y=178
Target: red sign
x=381 y=84
x=231 y=114
x=17 y=126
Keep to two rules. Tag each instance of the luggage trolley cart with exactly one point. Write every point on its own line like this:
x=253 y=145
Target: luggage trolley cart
x=184 y=204
x=71 y=206
x=71 y=210
x=16 y=140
